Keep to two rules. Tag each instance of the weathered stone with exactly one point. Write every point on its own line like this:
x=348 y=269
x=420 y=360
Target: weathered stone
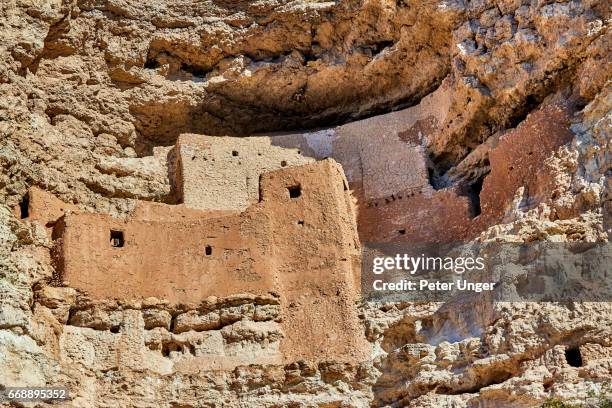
x=96 y=318
x=193 y=320
x=452 y=121
x=156 y=318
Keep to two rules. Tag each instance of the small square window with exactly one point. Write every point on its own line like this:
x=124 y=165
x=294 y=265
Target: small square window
x=208 y=250
x=117 y=239
x=295 y=191
x=235 y=153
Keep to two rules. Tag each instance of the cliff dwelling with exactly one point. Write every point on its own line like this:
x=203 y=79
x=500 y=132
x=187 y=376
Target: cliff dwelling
x=273 y=218
x=191 y=193
x=293 y=248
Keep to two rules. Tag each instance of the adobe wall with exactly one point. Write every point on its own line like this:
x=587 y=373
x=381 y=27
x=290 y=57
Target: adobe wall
x=383 y=158
x=43 y=207
x=222 y=173
x=385 y=161
x=317 y=260
x=152 y=211
x=166 y=259
x=431 y=216
x=382 y=155
x=304 y=248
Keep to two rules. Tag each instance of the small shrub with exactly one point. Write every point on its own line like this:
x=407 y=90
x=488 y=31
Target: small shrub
x=555 y=403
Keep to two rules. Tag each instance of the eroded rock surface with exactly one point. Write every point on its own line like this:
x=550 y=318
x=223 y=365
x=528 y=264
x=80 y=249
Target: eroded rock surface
x=453 y=120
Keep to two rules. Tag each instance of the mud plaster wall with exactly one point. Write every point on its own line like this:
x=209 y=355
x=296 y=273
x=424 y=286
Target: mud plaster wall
x=223 y=172
x=379 y=160
x=166 y=259
x=384 y=158
x=303 y=247
x=520 y=160
x=386 y=162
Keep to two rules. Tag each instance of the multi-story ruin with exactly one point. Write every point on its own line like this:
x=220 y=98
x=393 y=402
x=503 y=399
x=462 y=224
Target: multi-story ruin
x=180 y=241
x=294 y=249
x=256 y=261
x=260 y=217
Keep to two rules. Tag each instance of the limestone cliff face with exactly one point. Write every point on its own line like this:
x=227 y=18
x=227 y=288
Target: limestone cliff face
x=453 y=120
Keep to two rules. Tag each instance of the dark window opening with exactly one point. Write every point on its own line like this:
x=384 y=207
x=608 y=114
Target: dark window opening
x=260 y=189
x=472 y=191
x=283 y=163
x=474 y=195
x=151 y=63
x=116 y=239
x=24 y=206
x=402 y=232
x=234 y=153
x=300 y=223
x=295 y=191
x=198 y=72
x=437 y=167
x=573 y=357
x=431 y=176
x=208 y=250
x=114 y=329
x=378 y=47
